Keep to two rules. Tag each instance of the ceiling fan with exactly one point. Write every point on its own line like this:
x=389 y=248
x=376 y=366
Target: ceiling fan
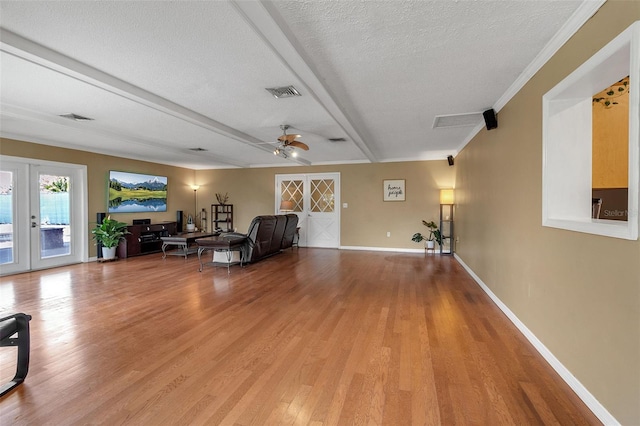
x=288 y=143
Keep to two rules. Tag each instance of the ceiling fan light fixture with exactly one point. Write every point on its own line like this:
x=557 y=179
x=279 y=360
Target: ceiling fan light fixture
x=280 y=151
x=286 y=144
x=288 y=141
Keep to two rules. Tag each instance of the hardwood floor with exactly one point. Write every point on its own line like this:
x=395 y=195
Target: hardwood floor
x=311 y=336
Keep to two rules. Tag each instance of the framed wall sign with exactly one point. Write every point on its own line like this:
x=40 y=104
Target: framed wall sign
x=393 y=190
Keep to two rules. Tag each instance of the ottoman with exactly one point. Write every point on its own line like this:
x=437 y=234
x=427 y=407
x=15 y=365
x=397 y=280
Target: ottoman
x=221 y=243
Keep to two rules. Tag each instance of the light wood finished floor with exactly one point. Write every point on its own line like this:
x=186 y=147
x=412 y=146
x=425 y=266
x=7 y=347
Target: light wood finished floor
x=311 y=336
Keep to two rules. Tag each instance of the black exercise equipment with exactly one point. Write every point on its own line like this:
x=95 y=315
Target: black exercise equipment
x=16 y=325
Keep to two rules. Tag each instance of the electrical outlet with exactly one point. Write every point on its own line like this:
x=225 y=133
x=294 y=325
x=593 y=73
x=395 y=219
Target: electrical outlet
x=388 y=234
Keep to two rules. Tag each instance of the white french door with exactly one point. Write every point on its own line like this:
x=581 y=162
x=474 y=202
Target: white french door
x=316 y=201
x=43 y=221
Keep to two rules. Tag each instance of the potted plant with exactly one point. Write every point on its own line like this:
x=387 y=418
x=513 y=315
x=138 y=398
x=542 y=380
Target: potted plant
x=434 y=235
x=108 y=234
x=190 y=225
x=222 y=199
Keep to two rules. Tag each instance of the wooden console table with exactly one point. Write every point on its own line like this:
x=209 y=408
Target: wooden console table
x=144 y=239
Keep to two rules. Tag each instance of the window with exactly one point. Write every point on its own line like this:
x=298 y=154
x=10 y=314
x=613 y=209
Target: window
x=568 y=134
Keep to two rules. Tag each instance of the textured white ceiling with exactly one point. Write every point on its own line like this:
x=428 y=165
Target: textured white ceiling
x=160 y=77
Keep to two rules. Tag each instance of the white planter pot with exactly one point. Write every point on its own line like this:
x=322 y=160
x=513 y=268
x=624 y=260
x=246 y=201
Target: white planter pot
x=221 y=257
x=191 y=227
x=109 y=252
x=431 y=245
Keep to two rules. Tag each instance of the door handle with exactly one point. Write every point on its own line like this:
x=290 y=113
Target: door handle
x=34 y=225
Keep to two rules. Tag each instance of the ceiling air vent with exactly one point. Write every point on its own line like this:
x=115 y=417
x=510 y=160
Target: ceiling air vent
x=75 y=117
x=337 y=140
x=197 y=149
x=457 y=120
x=283 y=92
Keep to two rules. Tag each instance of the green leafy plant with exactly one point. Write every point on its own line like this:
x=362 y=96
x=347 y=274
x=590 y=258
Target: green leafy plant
x=222 y=199
x=434 y=233
x=109 y=232
x=59 y=185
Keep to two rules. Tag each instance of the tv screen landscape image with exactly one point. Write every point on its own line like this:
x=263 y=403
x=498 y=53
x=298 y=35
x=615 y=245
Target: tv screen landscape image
x=136 y=193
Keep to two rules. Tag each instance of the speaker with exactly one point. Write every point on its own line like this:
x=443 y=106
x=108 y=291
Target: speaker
x=490 y=119
x=179 y=221
x=450 y=160
x=99 y=218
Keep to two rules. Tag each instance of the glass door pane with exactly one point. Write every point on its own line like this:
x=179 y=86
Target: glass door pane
x=6 y=217
x=55 y=232
x=293 y=190
x=322 y=196
x=14 y=204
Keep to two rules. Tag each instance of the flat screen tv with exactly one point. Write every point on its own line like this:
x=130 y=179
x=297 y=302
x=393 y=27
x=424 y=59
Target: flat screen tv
x=136 y=193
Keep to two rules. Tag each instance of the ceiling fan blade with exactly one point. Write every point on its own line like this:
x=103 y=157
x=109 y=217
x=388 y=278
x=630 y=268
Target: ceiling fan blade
x=299 y=144
x=288 y=138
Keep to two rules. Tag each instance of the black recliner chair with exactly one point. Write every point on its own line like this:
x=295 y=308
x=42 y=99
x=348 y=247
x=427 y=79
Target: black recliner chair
x=268 y=235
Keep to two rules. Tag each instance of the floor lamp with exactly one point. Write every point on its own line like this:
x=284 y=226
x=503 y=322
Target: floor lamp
x=446 y=220
x=195 y=196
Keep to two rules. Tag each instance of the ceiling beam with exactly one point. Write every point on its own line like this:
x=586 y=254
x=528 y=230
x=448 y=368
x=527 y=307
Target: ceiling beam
x=97 y=130
x=35 y=53
x=263 y=17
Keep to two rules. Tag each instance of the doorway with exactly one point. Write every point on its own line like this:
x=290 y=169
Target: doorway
x=43 y=218
x=316 y=201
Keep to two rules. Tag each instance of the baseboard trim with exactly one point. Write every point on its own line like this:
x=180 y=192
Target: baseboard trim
x=389 y=249
x=592 y=403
